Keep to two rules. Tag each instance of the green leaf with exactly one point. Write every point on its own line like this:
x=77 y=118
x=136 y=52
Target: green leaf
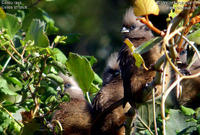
x=187 y=111
x=195 y=37
x=11 y=24
x=198 y=129
x=138 y=58
x=36 y=13
x=91 y=59
x=60 y=39
x=50 y=91
x=56 y=78
x=4 y=87
x=37 y=34
x=198 y=113
x=59 y=55
x=97 y=79
x=94 y=88
x=146 y=112
x=10 y=106
x=172 y=14
x=145 y=47
x=14 y=128
x=5 y=120
x=81 y=70
x=177 y=123
x=137 y=52
x=15 y=81
x=59 y=66
x=50 y=99
x=66 y=98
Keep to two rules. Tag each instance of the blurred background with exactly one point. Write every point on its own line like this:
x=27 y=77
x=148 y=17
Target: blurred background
x=98 y=22
x=95 y=23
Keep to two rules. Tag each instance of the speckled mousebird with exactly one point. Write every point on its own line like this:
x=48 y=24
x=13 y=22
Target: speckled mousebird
x=135 y=79
x=75 y=116
x=111 y=92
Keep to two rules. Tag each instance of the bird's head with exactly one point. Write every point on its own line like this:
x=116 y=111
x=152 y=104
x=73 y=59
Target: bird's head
x=133 y=29
x=112 y=70
x=71 y=87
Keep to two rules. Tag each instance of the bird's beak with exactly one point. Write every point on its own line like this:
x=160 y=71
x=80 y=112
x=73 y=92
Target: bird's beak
x=125 y=30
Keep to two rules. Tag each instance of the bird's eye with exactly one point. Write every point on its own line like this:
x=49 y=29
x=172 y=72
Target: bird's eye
x=132 y=27
x=67 y=85
x=146 y=28
x=117 y=72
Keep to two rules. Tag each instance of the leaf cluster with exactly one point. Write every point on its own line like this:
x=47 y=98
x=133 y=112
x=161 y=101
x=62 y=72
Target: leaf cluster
x=181 y=37
x=30 y=63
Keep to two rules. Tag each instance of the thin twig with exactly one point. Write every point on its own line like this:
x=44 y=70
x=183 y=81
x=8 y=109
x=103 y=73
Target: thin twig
x=190 y=43
x=20 y=124
x=14 y=49
x=162 y=99
x=154 y=112
x=52 y=45
x=59 y=124
x=35 y=101
x=5 y=65
x=88 y=97
x=11 y=55
x=178 y=81
x=166 y=42
x=178 y=88
x=144 y=124
x=24 y=49
x=42 y=70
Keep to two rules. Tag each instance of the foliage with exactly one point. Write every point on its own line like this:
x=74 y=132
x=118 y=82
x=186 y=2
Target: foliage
x=182 y=33
x=145 y=7
x=30 y=65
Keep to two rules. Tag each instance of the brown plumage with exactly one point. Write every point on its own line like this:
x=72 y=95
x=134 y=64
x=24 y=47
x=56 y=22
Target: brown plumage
x=75 y=115
x=190 y=87
x=135 y=79
x=111 y=92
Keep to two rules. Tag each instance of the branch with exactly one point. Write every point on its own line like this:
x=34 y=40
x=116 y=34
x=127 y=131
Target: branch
x=20 y=124
x=5 y=65
x=11 y=55
x=166 y=43
x=14 y=49
x=154 y=111
x=191 y=44
x=151 y=26
x=88 y=97
x=59 y=124
x=143 y=123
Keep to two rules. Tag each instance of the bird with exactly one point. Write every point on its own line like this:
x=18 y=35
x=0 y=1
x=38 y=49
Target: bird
x=190 y=96
x=75 y=116
x=136 y=79
x=111 y=92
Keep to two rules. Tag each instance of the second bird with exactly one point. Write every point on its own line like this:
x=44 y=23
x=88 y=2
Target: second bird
x=136 y=78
